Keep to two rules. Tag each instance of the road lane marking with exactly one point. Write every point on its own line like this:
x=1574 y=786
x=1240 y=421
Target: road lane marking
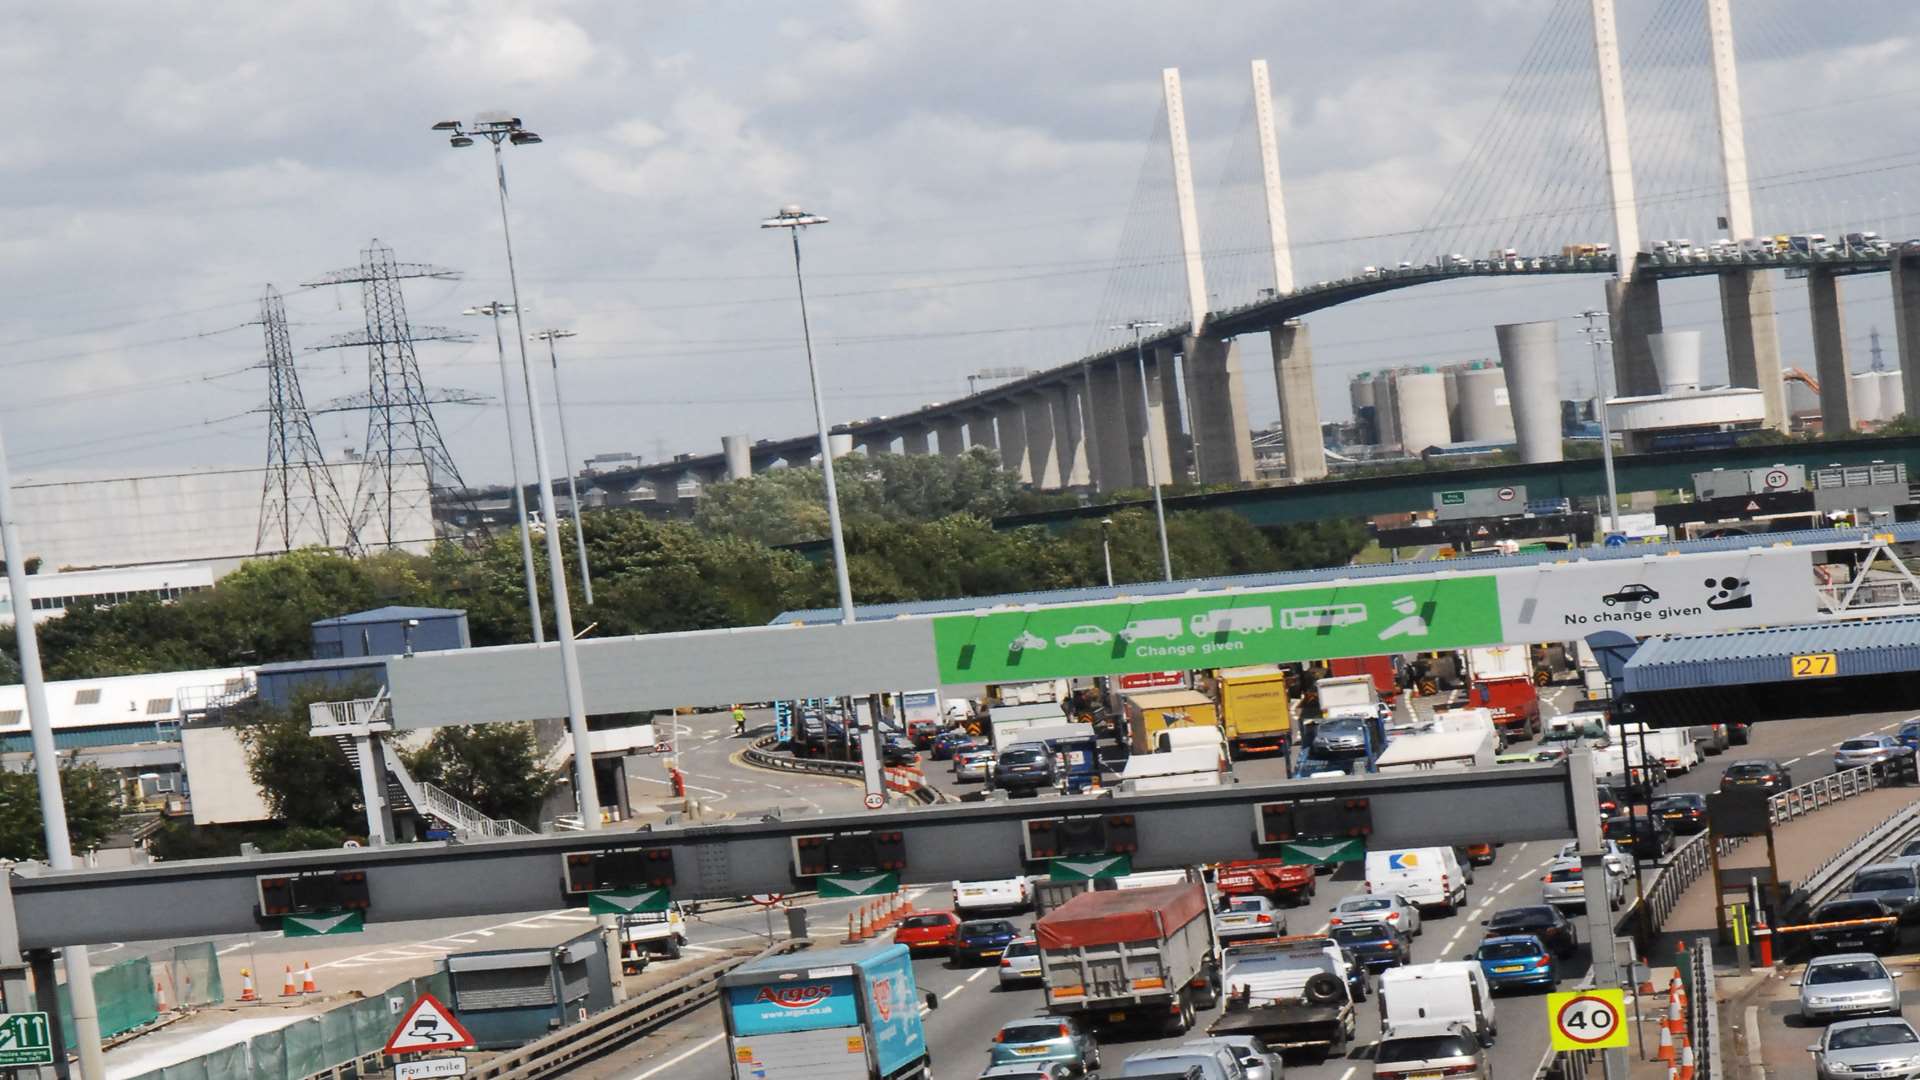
x=943 y=997
x=976 y=974
x=682 y=1056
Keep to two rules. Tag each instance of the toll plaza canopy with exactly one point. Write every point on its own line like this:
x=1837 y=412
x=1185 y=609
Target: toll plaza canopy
x=1779 y=654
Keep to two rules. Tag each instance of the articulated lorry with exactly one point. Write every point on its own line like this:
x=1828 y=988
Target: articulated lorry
x=1143 y=958
x=846 y=1013
x=1503 y=683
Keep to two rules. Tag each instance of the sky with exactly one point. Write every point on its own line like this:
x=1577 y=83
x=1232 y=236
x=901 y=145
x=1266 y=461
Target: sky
x=996 y=173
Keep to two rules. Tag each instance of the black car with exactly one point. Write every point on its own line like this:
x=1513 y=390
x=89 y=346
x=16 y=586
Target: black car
x=1649 y=838
x=1683 y=813
x=1374 y=944
x=981 y=940
x=1630 y=594
x=1756 y=774
x=1868 y=937
x=899 y=750
x=1023 y=768
x=1542 y=921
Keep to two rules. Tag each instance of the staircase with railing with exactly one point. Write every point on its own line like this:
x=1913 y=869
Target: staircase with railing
x=404 y=791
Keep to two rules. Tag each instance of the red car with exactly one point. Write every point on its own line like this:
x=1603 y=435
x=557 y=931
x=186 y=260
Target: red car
x=927 y=931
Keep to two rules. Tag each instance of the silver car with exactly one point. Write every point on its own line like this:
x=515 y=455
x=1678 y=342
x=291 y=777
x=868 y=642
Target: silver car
x=1216 y=1062
x=1866 y=1050
x=1847 y=984
x=1249 y=917
x=1451 y=1050
x=1868 y=750
x=1259 y=1062
x=1020 y=964
x=973 y=764
x=1389 y=908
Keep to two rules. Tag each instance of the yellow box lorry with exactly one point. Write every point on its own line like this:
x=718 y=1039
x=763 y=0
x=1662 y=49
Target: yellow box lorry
x=1150 y=714
x=1254 y=710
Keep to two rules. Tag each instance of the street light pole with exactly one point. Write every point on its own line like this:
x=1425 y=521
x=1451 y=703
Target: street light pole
x=1598 y=336
x=793 y=219
x=1153 y=456
x=46 y=769
x=492 y=309
x=1106 y=547
x=566 y=451
x=498 y=128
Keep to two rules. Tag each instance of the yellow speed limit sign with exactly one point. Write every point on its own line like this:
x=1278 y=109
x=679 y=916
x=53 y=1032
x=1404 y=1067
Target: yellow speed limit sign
x=1588 y=1019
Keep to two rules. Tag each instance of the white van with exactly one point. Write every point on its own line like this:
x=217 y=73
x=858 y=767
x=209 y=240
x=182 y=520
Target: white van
x=1449 y=992
x=1431 y=877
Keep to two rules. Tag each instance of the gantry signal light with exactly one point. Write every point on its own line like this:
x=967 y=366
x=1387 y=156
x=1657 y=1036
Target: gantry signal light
x=1085 y=834
x=849 y=852
x=1312 y=819
x=318 y=890
x=628 y=868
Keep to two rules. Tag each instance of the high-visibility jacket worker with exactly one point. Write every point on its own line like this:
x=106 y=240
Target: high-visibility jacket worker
x=739 y=720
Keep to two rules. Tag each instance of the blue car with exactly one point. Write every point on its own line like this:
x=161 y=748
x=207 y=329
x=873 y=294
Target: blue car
x=1910 y=736
x=981 y=941
x=1516 y=960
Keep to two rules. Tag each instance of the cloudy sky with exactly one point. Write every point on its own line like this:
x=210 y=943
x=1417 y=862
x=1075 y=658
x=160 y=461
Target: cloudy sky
x=986 y=165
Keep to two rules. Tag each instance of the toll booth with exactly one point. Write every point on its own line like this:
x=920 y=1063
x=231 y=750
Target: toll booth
x=510 y=997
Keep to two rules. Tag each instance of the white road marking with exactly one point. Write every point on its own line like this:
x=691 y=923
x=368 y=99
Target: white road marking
x=950 y=993
x=1503 y=888
x=677 y=1059
x=1348 y=1075
x=232 y=947
x=976 y=974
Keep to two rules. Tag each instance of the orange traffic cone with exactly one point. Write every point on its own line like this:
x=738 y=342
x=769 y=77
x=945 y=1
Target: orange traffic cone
x=246 y=986
x=1676 y=1023
x=1666 y=1045
x=1686 y=1062
x=306 y=978
x=287 y=988
x=1677 y=990
x=159 y=994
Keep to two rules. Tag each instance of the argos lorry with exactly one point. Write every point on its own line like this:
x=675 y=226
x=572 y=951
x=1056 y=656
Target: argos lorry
x=846 y=1013
x=1143 y=958
x=1254 y=709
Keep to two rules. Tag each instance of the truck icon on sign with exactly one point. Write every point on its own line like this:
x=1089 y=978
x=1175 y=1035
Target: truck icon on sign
x=1249 y=620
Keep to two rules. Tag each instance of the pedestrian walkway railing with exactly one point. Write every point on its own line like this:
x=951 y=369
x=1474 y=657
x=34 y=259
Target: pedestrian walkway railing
x=1824 y=791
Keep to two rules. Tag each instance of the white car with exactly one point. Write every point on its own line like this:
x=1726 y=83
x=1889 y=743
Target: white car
x=1020 y=964
x=1008 y=894
x=973 y=764
x=1618 y=861
x=1388 y=908
x=1249 y=917
x=1564 y=885
x=1084 y=635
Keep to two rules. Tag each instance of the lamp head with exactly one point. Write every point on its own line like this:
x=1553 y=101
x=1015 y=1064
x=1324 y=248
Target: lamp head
x=459 y=141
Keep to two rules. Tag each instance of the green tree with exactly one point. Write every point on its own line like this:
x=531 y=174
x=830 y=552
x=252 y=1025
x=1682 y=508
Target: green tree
x=496 y=768
x=92 y=800
x=305 y=781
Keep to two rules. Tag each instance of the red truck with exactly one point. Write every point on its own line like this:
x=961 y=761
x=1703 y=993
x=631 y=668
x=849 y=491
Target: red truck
x=1384 y=669
x=1503 y=685
x=1271 y=878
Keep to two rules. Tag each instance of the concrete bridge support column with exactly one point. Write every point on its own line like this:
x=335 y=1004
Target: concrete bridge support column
x=1163 y=372
x=1906 y=329
x=738 y=452
x=1012 y=421
x=916 y=442
x=1069 y=432
x=1146 y=423
x=1043 y=453
x=1299 y=403
x=1830 y=351
x=980 y=431
x=1113 y=469
x=1633 y=310
x=875 y=442
x=952 y=434
x=1217 y=407
x=1753 y=340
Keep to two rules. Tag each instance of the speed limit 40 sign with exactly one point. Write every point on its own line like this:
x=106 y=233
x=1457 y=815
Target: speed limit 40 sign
x=1588 y=1019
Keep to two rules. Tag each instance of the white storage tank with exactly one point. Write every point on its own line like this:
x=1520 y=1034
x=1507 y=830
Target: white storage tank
x=1422 y=408
x=1676 y=356
x=1801 y=398
x=1893 y=393
x=1386 y=409
x=1866 y=397
x=1485 y=415
x=1530 y=360
x=1452 y=375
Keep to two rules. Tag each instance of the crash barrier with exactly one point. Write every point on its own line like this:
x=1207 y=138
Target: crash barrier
x=629 y=1020
x=1691 y=859
x=1703 y=1013
x=910 y=782
x=1881 y=840
x=124 y=995
x=343 y=1042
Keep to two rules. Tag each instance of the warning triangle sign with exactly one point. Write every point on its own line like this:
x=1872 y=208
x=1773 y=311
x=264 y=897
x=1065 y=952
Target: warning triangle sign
x=428 y=1025
x=1753 y=504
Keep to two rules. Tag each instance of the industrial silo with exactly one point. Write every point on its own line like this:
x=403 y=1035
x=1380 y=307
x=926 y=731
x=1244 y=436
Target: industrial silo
x=1386 y=413
x=1676 y=356
x=1360 y=392
x=1529 y=358
x=1452 y=375
x=1484 y=414
x=1801 y=398
x=1893 y=393
x=1866 y=397
x=1421 y=405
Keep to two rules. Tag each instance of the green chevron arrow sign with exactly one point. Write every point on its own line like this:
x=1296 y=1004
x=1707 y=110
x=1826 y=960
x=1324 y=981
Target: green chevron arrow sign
x=322 y=923
x=1089 y=867
x=835 y=886
x=627 y=901
x=1323 y=852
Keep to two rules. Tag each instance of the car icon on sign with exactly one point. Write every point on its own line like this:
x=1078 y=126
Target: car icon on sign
x=1630 y=594
x=1083 y=635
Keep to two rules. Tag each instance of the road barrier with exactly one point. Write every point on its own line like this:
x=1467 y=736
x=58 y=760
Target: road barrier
x=1703 y=1012
x=909 y=782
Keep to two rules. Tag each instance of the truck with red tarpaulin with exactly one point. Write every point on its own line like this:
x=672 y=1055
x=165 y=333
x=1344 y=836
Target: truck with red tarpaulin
x=1143 y=958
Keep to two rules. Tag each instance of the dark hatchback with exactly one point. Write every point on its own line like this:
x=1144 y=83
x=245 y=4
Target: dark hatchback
x=947 y=744
x=1023 y=767
x=1610 y=803
x=1879 y=937
x=1374 y=945
x=1542 y=921
x=982 y=940
x=1648 y=838
x=1682 y=813
x=1763 y=774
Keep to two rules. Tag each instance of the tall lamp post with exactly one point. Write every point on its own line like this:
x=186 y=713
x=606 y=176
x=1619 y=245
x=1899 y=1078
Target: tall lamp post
x=793 y=219
x=1598 y=336
x=1106 y=547
x=566 y=451
x=499 y=128
x=1139 y=326
x=494 y=309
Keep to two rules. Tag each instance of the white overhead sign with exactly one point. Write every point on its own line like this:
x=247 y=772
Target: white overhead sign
x=1673 y=594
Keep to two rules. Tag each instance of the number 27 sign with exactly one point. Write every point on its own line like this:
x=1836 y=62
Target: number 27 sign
x=1588 y=1019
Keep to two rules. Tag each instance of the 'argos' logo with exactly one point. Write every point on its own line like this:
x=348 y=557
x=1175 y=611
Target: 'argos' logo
x=794 y=997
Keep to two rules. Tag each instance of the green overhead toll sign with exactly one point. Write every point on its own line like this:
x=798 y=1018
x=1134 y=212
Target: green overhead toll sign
x=1235 y=628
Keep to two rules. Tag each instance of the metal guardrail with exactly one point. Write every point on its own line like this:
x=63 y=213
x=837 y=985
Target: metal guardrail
x=637 y=1016
x=760 y=753
x=1824 y=791
x=1882 y=838
x=1704 y=1023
